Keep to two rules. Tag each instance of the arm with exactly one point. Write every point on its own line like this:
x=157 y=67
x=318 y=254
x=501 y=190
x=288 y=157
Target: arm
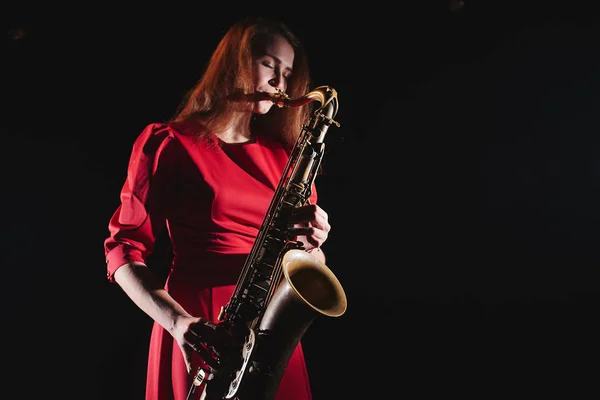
x=133 y=229
x=145 y=290
x=142 y=286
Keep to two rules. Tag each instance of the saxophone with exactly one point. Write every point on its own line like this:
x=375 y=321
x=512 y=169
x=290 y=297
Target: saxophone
x=281 y=288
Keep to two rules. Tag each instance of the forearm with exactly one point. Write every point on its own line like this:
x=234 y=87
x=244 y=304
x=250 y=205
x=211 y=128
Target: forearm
x=145 y=290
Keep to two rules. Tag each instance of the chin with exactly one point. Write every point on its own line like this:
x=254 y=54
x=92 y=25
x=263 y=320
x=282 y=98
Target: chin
x=263 y=107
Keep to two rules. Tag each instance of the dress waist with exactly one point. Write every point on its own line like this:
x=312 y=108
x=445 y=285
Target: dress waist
x=208 y=269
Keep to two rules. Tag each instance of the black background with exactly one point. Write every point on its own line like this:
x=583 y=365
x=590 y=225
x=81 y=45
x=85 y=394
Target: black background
x=462 y=188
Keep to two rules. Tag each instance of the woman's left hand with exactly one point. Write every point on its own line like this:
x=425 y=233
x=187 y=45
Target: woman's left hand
x=310 y=225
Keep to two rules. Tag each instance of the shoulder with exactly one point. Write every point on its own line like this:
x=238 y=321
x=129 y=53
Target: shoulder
x=152 y=136
x=157 y=142
x=157 y=135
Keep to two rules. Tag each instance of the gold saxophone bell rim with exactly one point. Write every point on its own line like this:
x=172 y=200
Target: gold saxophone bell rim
x=295 y=261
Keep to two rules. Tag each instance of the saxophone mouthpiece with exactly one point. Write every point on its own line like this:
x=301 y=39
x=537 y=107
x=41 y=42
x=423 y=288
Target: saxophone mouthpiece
x=279 y=98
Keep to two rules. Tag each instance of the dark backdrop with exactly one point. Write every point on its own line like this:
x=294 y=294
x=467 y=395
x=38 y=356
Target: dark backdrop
x=462 y=187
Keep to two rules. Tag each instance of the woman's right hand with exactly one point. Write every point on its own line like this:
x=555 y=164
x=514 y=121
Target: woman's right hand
x=196 y=335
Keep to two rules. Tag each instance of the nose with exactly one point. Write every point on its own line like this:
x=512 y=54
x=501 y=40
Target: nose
x=277 y=81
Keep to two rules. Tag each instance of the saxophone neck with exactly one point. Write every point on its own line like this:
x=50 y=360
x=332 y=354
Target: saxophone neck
x=325 y=95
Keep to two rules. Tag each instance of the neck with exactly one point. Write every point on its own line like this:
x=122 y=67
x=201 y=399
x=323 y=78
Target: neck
x=238 y=130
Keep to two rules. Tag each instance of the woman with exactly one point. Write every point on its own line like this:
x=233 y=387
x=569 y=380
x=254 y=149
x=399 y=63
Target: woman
x=208 y=176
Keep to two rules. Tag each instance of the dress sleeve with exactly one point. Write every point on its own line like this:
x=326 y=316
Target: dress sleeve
x=141 y=215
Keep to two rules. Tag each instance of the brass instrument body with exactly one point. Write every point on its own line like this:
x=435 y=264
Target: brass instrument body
x=282 y=288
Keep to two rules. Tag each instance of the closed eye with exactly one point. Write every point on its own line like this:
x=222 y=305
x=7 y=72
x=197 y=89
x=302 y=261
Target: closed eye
x=271 y=66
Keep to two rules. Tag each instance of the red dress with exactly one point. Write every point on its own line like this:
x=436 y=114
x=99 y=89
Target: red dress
x=212 y=201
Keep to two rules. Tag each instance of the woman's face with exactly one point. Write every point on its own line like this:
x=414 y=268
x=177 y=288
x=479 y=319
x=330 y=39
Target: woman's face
x=272 y=68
